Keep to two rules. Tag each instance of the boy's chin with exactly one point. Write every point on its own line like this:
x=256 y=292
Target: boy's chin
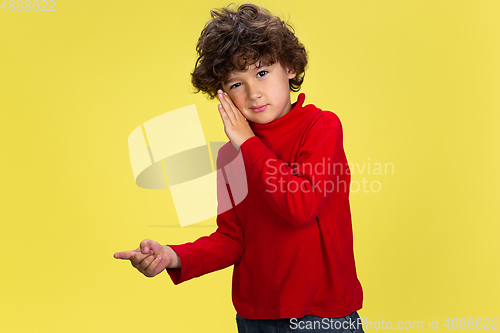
x=261 y=121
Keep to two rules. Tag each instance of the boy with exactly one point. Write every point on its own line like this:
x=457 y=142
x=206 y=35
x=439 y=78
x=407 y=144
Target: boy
x=290 y=239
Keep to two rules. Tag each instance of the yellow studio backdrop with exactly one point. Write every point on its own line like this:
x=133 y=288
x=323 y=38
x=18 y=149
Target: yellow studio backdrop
x=415 y=84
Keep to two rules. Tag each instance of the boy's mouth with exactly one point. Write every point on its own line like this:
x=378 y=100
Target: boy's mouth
x=258 y=108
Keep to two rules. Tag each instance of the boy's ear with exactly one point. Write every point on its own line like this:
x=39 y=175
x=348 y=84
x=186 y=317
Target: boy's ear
x=291 y=72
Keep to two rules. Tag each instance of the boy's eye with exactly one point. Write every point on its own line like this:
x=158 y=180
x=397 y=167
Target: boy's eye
x=234 y=85
x=264 y=73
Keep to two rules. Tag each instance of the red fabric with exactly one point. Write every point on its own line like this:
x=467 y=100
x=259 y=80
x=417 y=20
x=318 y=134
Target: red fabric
x=290 y=239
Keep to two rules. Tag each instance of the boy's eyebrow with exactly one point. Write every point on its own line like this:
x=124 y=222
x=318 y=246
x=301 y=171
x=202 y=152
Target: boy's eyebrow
x=230 y=80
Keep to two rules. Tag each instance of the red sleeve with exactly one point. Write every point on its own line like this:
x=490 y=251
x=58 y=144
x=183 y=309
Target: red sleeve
x=221 y=249
x=298 y=191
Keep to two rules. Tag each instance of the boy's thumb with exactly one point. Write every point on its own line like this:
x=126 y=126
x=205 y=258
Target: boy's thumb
x=156 y=247
x=146 y=245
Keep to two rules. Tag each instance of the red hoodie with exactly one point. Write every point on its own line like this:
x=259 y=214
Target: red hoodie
x=290 y=239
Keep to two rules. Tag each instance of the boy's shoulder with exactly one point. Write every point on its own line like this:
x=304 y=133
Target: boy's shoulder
x=321 y=119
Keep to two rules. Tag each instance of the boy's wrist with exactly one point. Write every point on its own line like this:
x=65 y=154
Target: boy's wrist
x=175 y=260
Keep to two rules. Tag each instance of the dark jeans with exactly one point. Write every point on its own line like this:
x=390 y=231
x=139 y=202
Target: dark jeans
x=306 y=324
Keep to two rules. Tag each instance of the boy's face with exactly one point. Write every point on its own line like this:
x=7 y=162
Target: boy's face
x=262 y=94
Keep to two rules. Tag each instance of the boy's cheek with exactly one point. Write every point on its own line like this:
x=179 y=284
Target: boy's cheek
x=237 y=103
x=233 y=97
x=243 y=110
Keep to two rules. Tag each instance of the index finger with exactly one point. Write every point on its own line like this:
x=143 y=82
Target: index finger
x=225 y=99
x=125 y=254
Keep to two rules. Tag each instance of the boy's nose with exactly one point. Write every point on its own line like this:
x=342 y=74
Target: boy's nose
x=254 y=92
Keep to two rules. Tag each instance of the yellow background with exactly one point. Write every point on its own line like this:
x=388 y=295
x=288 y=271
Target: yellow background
x=415 y=84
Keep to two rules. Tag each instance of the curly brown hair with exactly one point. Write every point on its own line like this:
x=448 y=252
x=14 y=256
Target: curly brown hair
x=236 y=39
